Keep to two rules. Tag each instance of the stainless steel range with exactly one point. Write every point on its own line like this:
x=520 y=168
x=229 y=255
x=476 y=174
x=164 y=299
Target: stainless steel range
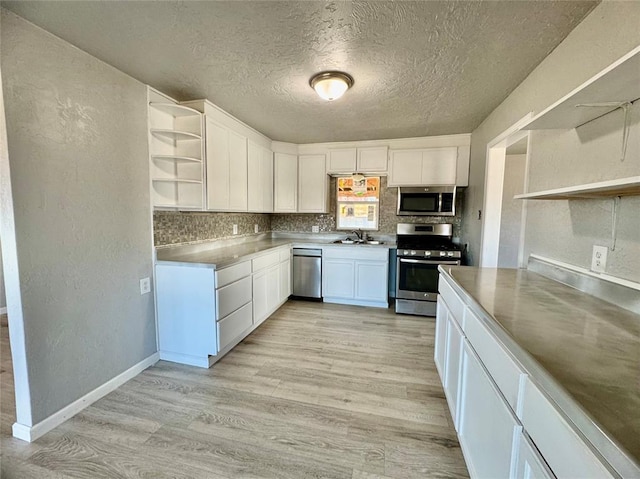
x=421 y=248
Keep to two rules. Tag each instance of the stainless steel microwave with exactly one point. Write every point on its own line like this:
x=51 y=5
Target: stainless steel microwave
x=427 y=201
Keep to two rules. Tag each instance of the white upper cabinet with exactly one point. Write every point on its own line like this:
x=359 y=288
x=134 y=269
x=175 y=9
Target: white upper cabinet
x=427 y=166
x=361 y=160
x=285 y=183
x=312 y=184
x=226 y=153
x=259 y=178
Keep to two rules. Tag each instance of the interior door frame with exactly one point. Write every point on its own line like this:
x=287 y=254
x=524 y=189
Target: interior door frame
x=493 y=189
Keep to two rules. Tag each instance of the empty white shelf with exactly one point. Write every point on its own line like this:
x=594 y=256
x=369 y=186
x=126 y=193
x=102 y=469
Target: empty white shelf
x=175 y=134
x=622 y=187
x=177 y=180
x=176 y=158
x=616 y=84
x=174 y=109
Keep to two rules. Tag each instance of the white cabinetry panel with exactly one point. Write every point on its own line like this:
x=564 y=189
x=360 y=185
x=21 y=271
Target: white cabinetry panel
x=362 y=160
x=486 y=423
x=312 y=184
x=285 y=181
x=259 y=178
x=237 y=172
x=231 y=297
x=529 y=463
x=234 y=326
x=420 y=167
x=371 y=281
x=342 y=160
x=372 y=159
x=338 y=278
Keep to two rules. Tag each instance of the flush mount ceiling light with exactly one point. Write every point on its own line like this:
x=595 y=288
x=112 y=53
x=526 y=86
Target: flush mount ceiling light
x=331 y=85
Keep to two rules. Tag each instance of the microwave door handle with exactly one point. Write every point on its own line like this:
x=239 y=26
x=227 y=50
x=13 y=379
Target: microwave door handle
x=439 y=202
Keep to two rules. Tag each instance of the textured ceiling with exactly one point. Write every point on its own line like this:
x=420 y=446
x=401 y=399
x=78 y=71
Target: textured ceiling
x=420 y=68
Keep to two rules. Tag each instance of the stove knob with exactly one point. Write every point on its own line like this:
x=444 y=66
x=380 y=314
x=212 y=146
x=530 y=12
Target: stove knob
x=427 y=253
x=413 y=253
x=442 y=253
x=450 y=253
x=405 y=252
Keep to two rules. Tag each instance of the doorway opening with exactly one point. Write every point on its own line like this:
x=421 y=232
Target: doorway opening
x=503 y=221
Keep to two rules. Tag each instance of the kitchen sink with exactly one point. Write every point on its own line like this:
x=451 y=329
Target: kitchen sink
x=350 y=241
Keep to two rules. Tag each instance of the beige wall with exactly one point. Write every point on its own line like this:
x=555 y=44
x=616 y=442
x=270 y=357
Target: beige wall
x=77 y=138
x=511 y=212
x=566 y=230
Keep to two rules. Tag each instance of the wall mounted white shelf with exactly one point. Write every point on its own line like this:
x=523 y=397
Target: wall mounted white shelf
x=177 y=180
x=176 y=158
x=174 y=109
x=617 y=84
x=604 y=189
x=176 y=134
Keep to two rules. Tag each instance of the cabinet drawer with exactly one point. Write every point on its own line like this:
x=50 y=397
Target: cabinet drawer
x=233 y=273
x=504 y=371
x=234 y=325
x=265 y=261
x=529 y=463
x=356 y=252
x=232 y=296
x=563 y=449
x=285 y=254
x=454 y=303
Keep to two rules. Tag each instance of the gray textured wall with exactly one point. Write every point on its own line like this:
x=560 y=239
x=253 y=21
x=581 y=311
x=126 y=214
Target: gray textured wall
x=566 y=230
x=79 y=170
x=511 y=216
x=3 y=297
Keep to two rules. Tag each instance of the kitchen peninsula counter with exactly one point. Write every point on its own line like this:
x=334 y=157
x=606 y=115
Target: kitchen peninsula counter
x=582 y=351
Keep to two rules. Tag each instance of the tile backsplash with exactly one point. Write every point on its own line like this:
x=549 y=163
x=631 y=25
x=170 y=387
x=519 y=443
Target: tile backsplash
x=175 y=227
x=171 y=228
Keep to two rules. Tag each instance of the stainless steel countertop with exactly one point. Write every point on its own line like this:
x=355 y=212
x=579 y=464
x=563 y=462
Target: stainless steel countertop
x=584 y=352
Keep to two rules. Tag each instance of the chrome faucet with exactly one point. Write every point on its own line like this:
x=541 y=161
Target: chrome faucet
x=358 y=233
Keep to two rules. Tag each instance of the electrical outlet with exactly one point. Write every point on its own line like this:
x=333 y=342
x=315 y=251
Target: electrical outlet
x=145 y=286
x=315 y=229
x=599 y=259
x=256 y=228
x=235 y=229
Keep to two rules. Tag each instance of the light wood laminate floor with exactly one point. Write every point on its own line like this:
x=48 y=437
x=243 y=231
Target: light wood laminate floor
x=318 y=391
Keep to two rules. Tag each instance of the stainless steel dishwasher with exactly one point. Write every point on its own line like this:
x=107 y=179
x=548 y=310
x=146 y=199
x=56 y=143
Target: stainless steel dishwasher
x=307 y=273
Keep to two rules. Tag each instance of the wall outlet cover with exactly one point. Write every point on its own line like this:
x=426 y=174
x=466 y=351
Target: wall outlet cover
x=145 y=286
x=599 y=259
x=235 y=229
x=315 y=229
x=256 y=228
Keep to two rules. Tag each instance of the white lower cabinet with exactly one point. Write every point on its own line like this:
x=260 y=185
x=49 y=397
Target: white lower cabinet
x=271 y=283
x=486 y=422
x=355 y=275
x=529 y=463
x=484 y=384
x=233 y=326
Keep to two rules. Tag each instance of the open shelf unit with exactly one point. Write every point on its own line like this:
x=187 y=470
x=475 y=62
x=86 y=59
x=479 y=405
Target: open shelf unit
x=604 y=189
x=617 y=84
x=176 y=154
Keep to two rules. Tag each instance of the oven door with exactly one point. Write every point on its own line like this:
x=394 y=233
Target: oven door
x=418 y=278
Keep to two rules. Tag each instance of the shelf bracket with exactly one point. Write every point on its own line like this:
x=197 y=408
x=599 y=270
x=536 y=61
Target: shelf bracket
x=625 y=105
x=614 y=221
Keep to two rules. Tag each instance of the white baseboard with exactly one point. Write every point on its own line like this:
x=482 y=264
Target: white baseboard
x=3 y=310
x=31 y=433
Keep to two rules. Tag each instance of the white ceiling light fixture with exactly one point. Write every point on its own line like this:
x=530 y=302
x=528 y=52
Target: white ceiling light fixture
x=331 y=85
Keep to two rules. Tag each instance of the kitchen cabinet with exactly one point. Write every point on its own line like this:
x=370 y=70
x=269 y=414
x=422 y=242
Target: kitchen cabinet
x=285 y=183
x=506 y=424
x=271 y=283
x=226 y=153
x=176 y=154
x=355 y=275
x=361 y=160
x=259 y=178
x=313 y=184
x=418 y=167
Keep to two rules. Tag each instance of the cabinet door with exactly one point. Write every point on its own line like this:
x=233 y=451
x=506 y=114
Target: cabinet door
x=312 y=184
x=373 y=159
x=217 y=146
x=260 y=297
x=529 y=463
x=237 y=172
x=487 y=425
x=439 y=166
x=405 y=168
x=440 y=346
x=338 y=278
x=342 y=160
x=452 y=370
x=273 y=288
x=285 y=280
x=285 y=183
x=266 y=172
x=371 y=281
x=254 y=177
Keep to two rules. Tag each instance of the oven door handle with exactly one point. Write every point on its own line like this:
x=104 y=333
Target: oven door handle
x=427 y=261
